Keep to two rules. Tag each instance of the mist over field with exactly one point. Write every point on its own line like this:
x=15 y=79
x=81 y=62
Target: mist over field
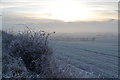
x=109 y=26
x=85 y=54
x=80 y=49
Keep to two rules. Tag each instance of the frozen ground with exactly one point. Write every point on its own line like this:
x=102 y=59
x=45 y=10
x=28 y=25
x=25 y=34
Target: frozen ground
x=98 y=57
x=86 y=59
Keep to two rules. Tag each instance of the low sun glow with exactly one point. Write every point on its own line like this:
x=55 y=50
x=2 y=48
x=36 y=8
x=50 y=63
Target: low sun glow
x=67 y=10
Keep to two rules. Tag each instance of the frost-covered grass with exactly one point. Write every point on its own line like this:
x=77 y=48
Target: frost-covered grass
x=99 y=58
x=26 y=54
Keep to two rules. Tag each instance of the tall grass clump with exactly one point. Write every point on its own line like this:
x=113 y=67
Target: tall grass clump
x=26 y=54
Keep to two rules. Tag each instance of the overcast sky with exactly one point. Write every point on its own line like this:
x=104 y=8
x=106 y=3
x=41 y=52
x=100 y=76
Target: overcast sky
x=60 y=15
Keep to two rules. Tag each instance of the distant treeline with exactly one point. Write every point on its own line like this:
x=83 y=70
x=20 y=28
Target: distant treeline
x=75 y=39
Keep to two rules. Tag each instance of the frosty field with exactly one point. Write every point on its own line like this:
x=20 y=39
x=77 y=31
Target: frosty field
x=98 y=57
x=83 y=59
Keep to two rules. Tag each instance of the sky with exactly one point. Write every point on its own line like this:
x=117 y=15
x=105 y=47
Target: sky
x=60 y=15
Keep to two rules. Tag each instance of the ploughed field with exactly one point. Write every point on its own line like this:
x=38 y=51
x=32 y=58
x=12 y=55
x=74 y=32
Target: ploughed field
x=97 y=57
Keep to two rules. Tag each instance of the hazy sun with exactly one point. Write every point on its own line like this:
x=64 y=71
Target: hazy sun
x=69 y=10
x=65 y=10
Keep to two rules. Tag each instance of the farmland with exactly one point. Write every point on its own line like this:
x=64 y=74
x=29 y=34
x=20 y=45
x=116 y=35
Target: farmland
x=98 y=57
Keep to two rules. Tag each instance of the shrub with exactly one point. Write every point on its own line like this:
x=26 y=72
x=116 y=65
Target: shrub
x=32 y=48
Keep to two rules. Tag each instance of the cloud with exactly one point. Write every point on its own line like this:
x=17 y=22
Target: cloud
x=16 y=18
x=61 y=26
x=46 y=9
x=21 y=4
x=37 y=15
